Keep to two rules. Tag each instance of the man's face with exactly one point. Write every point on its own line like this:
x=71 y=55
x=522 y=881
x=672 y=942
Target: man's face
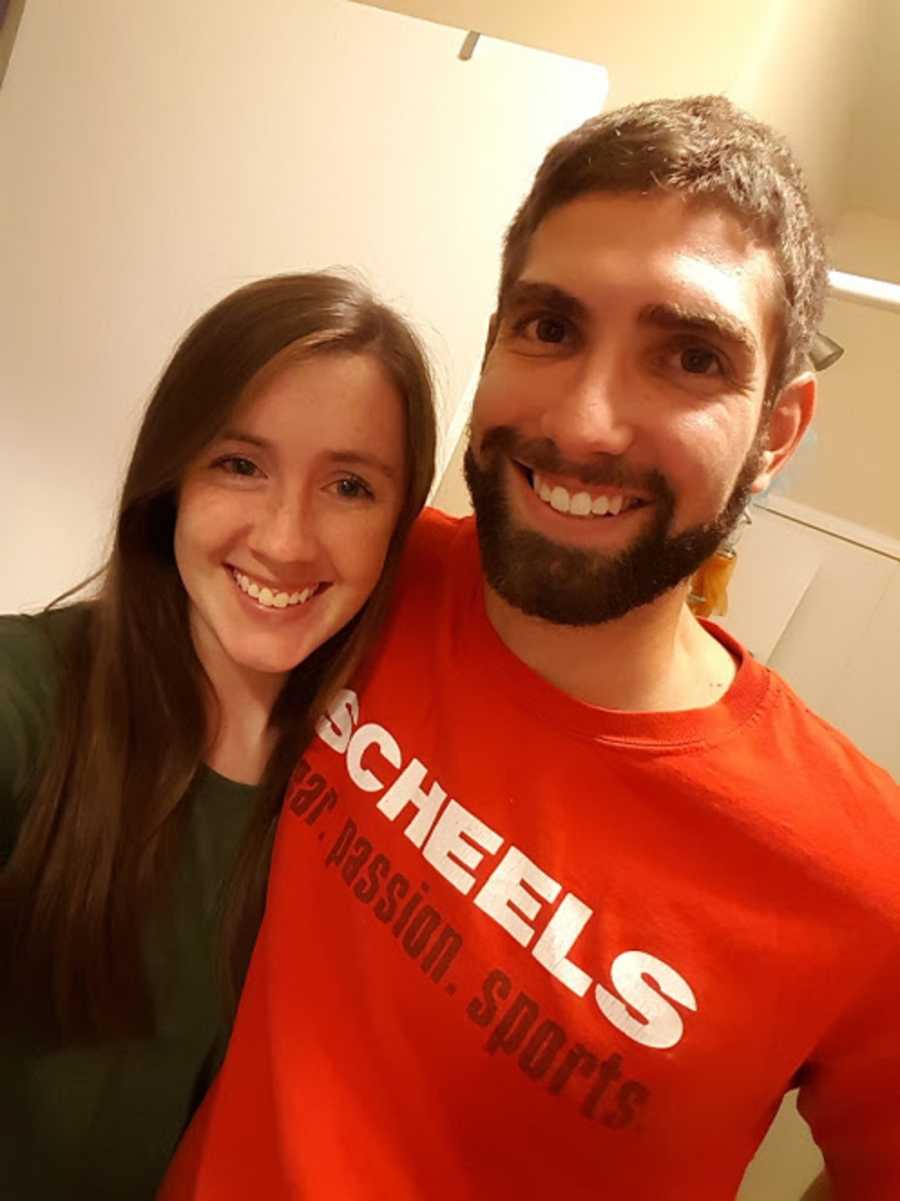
x=616 y=433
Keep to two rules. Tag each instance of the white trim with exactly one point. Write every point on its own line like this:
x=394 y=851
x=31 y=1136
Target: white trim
x=827 y=523
x=875 y=292
x=454 y=431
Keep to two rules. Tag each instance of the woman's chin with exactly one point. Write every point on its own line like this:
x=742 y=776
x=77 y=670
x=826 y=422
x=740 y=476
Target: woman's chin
x=270 y=657
x=271 y=665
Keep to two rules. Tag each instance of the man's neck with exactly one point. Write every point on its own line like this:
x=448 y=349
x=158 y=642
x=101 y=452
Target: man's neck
x=658 y=658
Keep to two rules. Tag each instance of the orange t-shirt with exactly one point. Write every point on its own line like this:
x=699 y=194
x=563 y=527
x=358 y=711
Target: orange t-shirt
x=516 y=946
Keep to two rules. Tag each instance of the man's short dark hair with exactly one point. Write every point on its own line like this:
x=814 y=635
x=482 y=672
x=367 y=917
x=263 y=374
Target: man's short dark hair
x=708 y=149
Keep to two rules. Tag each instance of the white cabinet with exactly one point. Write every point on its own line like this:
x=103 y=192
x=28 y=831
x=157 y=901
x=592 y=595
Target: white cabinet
x=865 y=701
x=825 y=614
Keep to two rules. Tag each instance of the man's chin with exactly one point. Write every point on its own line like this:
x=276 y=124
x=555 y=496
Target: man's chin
x=583 y=585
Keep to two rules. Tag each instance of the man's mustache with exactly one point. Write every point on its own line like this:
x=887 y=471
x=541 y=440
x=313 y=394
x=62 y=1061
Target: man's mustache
x=543 y=455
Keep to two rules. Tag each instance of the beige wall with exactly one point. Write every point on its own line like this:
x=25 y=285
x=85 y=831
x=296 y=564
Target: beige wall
x=873 y=167
x=866 y=243
x=10 y=25
x=803 y=73
x=795 y=63
x=849 y=465
x=692 y=48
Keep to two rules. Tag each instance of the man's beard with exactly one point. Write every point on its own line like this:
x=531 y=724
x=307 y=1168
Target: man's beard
x=572 y=586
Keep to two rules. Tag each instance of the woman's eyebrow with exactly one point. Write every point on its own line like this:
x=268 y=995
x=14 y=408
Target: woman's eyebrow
x=358 y=458
x=234 y=435
x=349 y=458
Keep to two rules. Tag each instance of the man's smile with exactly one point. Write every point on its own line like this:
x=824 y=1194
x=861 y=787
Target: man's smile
x=577 y=500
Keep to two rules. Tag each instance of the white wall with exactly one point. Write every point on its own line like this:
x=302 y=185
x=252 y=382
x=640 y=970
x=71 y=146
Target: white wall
x=158 y=154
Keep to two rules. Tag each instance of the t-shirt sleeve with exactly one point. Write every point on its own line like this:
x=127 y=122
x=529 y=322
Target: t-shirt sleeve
x=850 y=1092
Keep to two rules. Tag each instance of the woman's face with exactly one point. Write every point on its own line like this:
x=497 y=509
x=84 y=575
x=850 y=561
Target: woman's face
x=285 y=518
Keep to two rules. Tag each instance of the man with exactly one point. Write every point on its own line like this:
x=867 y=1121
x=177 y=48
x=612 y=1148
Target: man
x=569 y=891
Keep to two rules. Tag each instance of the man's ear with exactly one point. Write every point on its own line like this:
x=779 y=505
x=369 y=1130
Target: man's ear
x=786 y=424
x=493 y=327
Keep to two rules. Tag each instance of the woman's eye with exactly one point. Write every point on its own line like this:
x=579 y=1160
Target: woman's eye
x=697 y=360
x=236 y=465
x=351 y=488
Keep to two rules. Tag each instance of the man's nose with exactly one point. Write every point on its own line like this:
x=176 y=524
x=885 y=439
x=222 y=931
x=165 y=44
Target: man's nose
x=593 y=412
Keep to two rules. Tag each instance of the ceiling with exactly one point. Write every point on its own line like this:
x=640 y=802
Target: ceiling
x=824 y=72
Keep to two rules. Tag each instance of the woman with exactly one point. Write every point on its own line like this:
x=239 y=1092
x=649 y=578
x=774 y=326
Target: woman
x=146 y=735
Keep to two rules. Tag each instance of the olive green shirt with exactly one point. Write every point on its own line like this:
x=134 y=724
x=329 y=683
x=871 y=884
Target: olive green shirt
x=101 y=1123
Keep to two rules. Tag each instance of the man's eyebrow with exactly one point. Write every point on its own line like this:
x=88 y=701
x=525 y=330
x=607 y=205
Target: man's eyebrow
x=710 y=321
x=525 y=293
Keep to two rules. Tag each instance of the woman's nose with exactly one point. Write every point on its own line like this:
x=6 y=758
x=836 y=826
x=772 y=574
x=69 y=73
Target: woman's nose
x=285 y=532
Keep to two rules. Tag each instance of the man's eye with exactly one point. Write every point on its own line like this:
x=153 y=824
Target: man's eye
x=235 y=465
x=550 y=329
x=547 y=329
x=697 y=360
x=352 y=488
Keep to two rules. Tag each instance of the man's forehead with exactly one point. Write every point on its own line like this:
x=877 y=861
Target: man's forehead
x=674 y=249
x=650 y=225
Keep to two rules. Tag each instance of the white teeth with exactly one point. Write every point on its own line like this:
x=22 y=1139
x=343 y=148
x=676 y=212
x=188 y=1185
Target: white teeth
x=543 y=489
x=559 y=499
x=579 y=504
x=268 y=597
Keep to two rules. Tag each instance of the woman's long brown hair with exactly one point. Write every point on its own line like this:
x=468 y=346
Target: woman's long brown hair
x=98 y=840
